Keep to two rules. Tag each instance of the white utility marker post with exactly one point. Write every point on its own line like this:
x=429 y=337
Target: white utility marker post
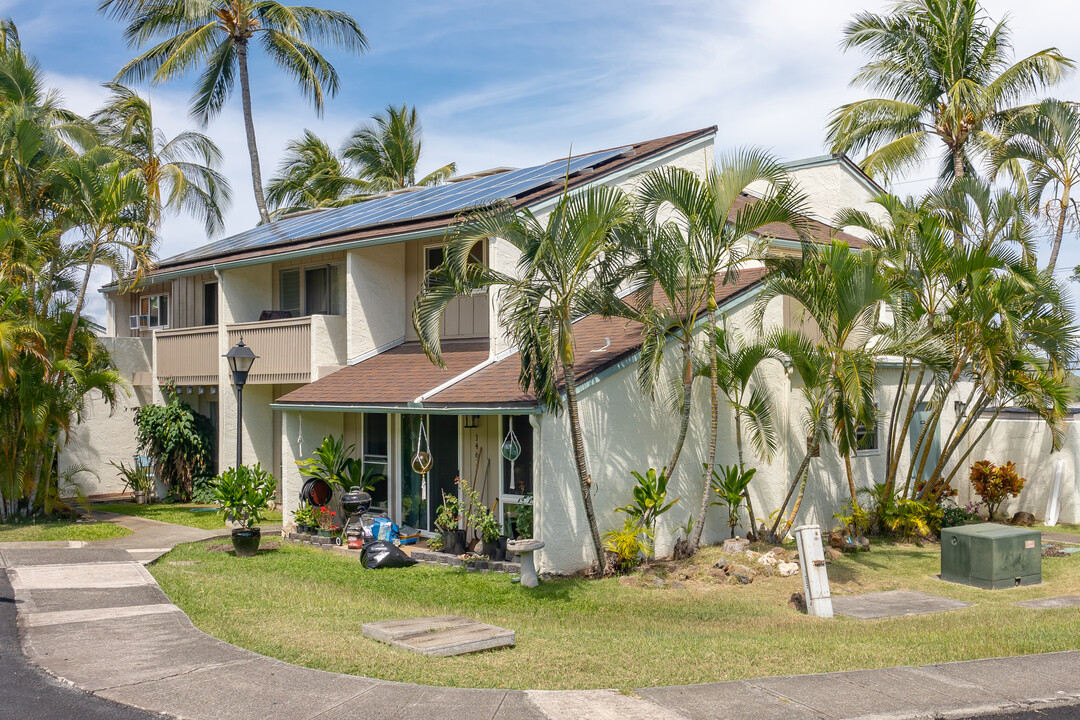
x=1053 y=505
x=815 y=580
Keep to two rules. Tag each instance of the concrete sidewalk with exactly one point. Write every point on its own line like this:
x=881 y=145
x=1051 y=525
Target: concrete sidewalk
x=95 y=617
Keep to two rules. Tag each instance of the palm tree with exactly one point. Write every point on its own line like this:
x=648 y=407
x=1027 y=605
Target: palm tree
x=842 y=293
x=107 y=206
x=387 y=151
x=943 y=70
x=180 y=173
x=571 y=264
x=716 y=221
x=748 y=397
x=216 y=35
x=312 y=175
x=1047 y=140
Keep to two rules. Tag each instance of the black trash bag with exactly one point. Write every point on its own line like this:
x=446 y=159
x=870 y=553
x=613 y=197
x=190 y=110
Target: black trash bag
x=383 y=554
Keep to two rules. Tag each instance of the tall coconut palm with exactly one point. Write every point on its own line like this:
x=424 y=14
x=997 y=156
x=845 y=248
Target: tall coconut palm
x=571 y=263
x=386 y=152
x=717 y=221
x=312 y=175
x=217 y=34
x=945 y=71
x=180 y=173
x=1046 y=140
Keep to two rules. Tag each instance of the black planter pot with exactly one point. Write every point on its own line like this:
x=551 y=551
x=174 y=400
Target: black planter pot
x=246 y=541
x=500 y=553
x=454 y=542
x=490 y=549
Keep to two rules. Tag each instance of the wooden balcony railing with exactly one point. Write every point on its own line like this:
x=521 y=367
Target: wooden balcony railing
x=188 y=356
x=283 y=347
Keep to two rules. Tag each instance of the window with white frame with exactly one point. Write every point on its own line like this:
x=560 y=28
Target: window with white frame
x=312 y=290
x=434 y=256
x=866 y=439
x=517 y=476
x=374 y=450
x=153 y=312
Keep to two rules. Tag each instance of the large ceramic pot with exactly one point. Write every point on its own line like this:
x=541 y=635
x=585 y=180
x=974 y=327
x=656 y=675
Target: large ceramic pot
x=491 y=549
x=140 y=497
x=246 y=541
x=500 y=554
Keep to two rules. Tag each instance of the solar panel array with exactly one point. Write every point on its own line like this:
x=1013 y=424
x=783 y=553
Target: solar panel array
x=447 y=198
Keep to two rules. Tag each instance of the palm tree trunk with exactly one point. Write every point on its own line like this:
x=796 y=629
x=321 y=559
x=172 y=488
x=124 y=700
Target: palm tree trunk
x=684 y=421
x=795 y=508
x=584 y=480
x=714 y=422
x=851 y=482
x=791 y=490
x=1060 y=230
x=79 y=303
x=958 y=163
x=249 y=129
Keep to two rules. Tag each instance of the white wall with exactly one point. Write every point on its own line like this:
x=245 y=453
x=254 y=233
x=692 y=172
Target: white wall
x=377 y=309
x=303 y=432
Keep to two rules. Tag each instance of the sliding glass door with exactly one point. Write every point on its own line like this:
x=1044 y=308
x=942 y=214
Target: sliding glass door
x=421 y=498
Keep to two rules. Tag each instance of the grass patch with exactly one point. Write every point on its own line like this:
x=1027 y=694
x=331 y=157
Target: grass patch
x=179 y=514
x=306 y=607
x=1064 y=528
x=59 y=530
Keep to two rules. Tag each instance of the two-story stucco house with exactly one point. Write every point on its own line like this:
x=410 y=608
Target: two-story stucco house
x=324 y=299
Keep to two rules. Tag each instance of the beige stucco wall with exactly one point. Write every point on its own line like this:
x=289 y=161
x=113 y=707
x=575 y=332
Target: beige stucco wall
x=303 y=432
x=375 y=297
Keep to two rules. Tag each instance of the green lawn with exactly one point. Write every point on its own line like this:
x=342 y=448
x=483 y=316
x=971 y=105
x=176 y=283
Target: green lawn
x=1059 y=528
x=306 y=606
x=179 y=514
x=59 y=530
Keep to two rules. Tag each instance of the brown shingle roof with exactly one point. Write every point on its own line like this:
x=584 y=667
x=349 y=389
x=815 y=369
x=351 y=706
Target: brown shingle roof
x=399 y=376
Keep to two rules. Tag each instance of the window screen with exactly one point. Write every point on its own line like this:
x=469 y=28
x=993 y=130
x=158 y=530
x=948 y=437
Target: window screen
x=210 y=304
x=317 y=291
x=289 y=291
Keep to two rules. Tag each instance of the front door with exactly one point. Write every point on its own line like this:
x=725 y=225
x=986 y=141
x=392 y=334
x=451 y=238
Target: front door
x=421 y=498
x=918 y=420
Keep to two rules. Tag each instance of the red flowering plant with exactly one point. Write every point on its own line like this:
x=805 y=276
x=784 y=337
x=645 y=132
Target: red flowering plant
x=326 y=519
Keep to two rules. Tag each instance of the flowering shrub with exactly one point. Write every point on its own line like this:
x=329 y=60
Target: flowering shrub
x=994 y=484
x=326 y=519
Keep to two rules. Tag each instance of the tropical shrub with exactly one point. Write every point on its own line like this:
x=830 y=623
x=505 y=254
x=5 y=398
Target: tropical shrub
x=487 y=524
x=178 y=440
x=136 y=478
x=953 y=515
x=650 y=496
x=244 y=493
x=995 y=484
x=436 y=543
x=332 y=461
x=628 y=544
x=729 y=483
x=890 y=513
x=202 y=490
x=305 y=515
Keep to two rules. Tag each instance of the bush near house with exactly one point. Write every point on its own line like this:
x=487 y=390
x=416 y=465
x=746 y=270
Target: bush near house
x=995 y=484
x=178 y=441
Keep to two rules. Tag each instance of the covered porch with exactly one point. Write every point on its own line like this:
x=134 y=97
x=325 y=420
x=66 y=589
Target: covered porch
x=385 y=409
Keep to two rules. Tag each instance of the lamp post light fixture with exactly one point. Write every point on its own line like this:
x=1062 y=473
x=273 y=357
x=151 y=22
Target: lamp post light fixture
x=240 y=358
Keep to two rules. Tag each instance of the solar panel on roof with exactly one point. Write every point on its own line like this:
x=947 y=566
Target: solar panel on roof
x=438 y=200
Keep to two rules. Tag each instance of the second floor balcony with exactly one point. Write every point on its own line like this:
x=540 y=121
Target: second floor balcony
x=290 y=350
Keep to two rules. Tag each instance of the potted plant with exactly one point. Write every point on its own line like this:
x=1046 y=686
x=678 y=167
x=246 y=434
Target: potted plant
x=446 y=519
x=489 y=531
x=305 y=519
x=326 y=522
x=243 y=494
x=136 y=479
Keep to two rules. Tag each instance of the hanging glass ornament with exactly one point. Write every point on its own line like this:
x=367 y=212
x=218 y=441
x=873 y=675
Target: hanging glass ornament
x=421 y=462
x=511 y=448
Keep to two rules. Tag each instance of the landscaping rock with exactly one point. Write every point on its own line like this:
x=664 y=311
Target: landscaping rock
x=833 y=554
x=718 y=574
x=676 y=585
x=837 y=540
x=629 y=581
x=734 y=546
x=1024 y=519
x=769 y=558
x=787 y=569
x=659 y=582
x=862 y=544
x=741 y=573
x=1047 y=551
x=797 y=602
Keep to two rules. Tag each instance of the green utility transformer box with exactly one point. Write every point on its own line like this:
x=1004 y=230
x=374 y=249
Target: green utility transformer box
x=991 y=556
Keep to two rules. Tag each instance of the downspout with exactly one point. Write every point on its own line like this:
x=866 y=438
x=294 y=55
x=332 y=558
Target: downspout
x=534 y=421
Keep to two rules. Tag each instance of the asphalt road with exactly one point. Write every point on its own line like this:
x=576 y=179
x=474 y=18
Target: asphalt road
x=27 y=692
x=1071 y=712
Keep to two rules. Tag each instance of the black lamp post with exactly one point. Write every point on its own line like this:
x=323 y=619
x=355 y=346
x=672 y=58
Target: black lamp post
x=240 y=358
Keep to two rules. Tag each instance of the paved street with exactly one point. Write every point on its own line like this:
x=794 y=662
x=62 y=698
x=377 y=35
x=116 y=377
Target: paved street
x=28 y=692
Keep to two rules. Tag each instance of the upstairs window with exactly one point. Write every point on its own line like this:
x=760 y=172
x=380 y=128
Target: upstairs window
x=434 y=255
x=153 y=312
x=315 y=290
x=210 y=316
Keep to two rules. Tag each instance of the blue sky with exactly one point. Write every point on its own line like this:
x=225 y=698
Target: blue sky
x=500 y=83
